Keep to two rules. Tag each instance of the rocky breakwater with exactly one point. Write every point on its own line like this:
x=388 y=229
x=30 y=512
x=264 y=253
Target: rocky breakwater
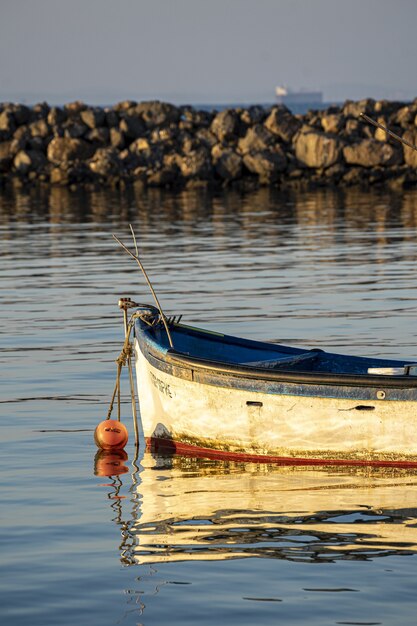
x=159 y=144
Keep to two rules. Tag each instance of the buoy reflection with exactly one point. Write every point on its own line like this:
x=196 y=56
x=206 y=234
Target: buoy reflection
x=110 y=463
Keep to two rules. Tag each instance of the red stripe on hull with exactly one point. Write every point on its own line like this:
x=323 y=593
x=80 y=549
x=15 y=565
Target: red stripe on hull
x=169 y=446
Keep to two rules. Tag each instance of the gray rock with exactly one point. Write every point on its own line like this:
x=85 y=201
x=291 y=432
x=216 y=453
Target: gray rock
x=166 y=175
x=386 y=107
x=73 y=109
x=257 y=138
x=132 y=127
x=317 y=150
x=205 y=137
x=56 y=116
x=227 y=163
x=196 y=164
x=105 y=162
x=99 y=136
x=195 y=118
x=125 y=105
x=166 y=134
x=6 y=156
x=282 y=123
x=29 y=161
x=112 y=118
x=371 y=153
x=410 y=155
x=93 y=117
x=40 y=111
x=254 y=114
x=156 y=113
x=117 y=138
x=403 y=117
x=21 y=113
x=266 y=164
x=354 y=109
x=64 y=149
x=58 y=176
x=74 y=129
x=7 y=123
x=225 y=126
x=332 y=123
x=40 y=128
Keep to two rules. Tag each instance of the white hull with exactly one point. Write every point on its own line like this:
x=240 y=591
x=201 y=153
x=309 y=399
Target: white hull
x=240 y=421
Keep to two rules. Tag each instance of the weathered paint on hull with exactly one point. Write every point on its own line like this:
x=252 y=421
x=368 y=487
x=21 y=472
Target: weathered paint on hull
x=354 y=426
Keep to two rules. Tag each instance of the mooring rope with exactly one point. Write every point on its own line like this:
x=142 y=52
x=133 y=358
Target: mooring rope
x=121 y=361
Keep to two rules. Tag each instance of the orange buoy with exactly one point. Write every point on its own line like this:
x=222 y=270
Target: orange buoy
x=111 y=435
x=110 y=463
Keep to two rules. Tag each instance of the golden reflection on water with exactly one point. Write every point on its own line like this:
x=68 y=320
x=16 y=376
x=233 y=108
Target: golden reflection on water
x=194 y=509
x=358 y=208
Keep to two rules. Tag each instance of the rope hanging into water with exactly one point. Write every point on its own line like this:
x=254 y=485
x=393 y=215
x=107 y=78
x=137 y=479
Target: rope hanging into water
x=122 y=360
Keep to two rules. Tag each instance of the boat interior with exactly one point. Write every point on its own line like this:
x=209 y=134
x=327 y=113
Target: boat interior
x=218 y=348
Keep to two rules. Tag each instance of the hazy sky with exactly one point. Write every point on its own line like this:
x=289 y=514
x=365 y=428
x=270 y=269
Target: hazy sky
x=214 y=51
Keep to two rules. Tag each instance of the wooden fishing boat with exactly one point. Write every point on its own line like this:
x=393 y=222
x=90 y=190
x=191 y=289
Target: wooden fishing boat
x=223 y=396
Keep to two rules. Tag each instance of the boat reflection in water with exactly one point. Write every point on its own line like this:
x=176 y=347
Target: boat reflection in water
x=187 y=508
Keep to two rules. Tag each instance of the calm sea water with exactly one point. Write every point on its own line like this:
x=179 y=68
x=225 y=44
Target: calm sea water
x=178 y=540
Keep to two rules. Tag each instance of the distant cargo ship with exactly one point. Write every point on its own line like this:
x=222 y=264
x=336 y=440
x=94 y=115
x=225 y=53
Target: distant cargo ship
x=287 y=96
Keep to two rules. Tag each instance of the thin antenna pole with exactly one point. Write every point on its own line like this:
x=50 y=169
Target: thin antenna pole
x=138 y=261
x=389 y=132
x=134 y=239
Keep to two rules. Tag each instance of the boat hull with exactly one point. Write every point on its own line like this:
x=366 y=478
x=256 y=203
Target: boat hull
x=191 y=408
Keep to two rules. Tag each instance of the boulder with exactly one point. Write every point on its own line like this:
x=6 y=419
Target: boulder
x=403 y=117
x=58 y=176
x=205 y=136
x=266 y=164
x=196 y=164
x=39 y=128
x=29 y=161
x=64 y=149
x=21 y=113
x=254 y=114
x=117 y=138
x=227 y=163
x=105 y=162
x=156 y=113
x=225 y=126
x=354 y=109
x=132 y=127
x=112 y=118
x=167 y=174
x=257 y=138
x=40 y=111
x=99 y=136
x=74 y=129
x=332 y=123
x=56 y=116
x=93 y=117
x=124 y=105
x=410 y=155
x=372 y=153
x=74 y=108
x=317 y=149
x=282 y=123
x=7 y=123
x=195 y=117
x=6 y=156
